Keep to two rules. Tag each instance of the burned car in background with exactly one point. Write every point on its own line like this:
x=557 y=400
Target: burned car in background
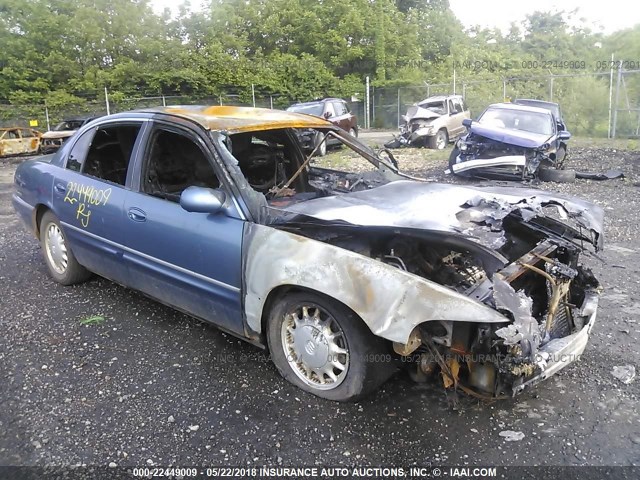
x=432 y=123
x=514 y=142
x=53 y=139
x=343 y=276
x=336 y=111
x=19 y=141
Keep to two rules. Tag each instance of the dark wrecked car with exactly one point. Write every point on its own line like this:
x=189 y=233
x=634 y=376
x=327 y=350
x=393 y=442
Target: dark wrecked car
x=52 y=140
x=336 y=111
x=432 y=123
x=512 y=141
x=344 y=277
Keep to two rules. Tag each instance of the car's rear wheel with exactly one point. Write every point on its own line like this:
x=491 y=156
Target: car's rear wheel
x=439 y=141
x=322 y=347
x=61 y=263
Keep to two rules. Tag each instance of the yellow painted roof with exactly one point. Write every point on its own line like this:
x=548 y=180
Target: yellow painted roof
x=244 y=119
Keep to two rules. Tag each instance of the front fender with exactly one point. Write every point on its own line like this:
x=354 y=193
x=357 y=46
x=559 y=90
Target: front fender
x=390 y=301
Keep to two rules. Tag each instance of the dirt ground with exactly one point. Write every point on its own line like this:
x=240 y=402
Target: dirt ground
x=150 y=386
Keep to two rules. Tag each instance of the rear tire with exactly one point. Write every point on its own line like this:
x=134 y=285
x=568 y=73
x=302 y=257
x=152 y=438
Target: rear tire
x=322 y=347
x=439 y=141
x=61 y=263
x=557 y=176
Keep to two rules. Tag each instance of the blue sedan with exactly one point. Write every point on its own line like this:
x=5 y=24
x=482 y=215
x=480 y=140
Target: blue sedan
x=343 y=277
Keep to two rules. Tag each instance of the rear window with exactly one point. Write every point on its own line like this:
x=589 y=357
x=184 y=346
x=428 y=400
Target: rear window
x=312 y=109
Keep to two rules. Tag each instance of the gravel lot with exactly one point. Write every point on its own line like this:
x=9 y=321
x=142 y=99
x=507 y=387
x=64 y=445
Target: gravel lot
x=150 y=386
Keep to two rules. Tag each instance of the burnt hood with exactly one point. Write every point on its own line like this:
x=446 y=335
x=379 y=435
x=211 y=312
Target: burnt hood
x=519 y=138
x=473 y=212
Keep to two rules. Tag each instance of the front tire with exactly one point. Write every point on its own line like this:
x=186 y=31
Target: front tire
x=452 y=161
x=439 y=141
x=353 y=132
x=61 y=263
x=322 y=347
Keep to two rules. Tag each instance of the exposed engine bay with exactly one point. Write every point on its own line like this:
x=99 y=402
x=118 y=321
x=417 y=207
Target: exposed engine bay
x=542 y=290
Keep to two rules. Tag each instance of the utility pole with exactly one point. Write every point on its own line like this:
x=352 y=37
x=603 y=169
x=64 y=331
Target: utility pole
x=615 y=107
x=106 y=100
x=610 y=95
x=253 y=95
x=367 y=119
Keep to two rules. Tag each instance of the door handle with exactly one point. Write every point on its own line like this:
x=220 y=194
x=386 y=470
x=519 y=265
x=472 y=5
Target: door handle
x=60 y=188
x=137 y=215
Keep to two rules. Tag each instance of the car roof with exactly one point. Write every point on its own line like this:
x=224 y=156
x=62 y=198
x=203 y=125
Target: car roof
x=523 y=108
x=439 y=98
x=320 y=100
x=534 y=102
x=240 y=119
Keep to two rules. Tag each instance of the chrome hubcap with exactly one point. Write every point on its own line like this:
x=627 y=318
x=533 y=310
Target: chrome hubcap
x=56 y=249
x=315 y=347
x=440 y=142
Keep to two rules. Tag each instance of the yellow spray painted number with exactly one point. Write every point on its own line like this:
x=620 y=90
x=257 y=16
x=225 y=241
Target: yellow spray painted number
x=86 y=196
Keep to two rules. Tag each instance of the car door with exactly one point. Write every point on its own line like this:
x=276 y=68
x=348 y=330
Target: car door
x=30 y=139
x=456 y=116
x=12 y=143
x=342 y=117
x=88 y=195
x=191 y=261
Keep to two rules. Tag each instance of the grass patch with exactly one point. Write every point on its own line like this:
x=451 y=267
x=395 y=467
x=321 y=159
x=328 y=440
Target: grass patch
x=92 y=320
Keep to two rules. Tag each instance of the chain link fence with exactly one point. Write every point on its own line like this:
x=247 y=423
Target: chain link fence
x=598 y=104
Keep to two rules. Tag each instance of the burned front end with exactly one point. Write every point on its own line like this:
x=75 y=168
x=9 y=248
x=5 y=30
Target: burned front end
x=514 y=252
x=550 y=302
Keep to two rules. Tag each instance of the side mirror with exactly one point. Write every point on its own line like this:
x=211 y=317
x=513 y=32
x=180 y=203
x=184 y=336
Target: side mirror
x=202 y=200
x=564 y=135
x=328 y=115
x=467 y=122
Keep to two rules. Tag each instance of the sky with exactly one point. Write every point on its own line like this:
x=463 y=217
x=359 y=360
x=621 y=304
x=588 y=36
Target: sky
x=606 y=16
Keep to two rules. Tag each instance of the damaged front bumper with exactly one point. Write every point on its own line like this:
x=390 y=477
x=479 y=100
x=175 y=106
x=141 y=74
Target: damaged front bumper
x=562 y=352
x=515 y=161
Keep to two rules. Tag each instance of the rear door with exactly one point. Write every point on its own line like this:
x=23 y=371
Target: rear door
x=342 y=116
x=456 y=116
x=88 y=195
x=191 y=261
x=30 y=140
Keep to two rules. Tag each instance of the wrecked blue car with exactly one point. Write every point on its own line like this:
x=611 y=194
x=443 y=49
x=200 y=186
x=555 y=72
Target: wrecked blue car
x=511 y=141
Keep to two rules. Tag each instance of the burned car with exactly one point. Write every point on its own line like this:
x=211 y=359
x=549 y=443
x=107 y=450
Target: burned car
x=19 y=141
x=511 y=141
x=343 y=277
x=432 y=123
x=53 y=139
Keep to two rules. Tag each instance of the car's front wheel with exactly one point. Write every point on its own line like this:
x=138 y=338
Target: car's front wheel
x=439 y=141
x=322 y=347
x=61 y=263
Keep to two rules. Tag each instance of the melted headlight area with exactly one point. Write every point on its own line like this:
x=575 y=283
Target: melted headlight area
x=543 y=294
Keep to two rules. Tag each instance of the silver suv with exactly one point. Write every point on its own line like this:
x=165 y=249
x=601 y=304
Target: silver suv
x=433 y=123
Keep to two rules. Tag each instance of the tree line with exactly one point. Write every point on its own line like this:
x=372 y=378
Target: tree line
x=63 y=51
